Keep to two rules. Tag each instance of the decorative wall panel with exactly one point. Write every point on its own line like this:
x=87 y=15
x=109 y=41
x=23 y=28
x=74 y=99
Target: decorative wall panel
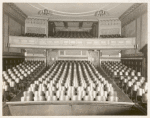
x=110 y=52
x=35 y=25
x=61 y=52
x=109 y=26
x=110 y=31
x=36 y=30
x=73 y=52
x=35 y=54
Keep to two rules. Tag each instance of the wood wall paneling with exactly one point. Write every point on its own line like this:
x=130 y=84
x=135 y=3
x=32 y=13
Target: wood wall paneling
x=11 y=62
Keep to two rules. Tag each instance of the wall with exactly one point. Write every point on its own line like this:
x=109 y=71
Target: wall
x=13 y=24
x=73 y=26
x=52 y=56
x=93 y=56
x=109 y=26
x=134 y=24
x=35 y=54
x=110 y=55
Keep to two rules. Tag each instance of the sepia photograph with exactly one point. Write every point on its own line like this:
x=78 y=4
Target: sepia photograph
x=74 y=59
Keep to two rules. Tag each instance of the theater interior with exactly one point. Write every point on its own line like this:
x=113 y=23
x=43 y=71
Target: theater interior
x=74 y=59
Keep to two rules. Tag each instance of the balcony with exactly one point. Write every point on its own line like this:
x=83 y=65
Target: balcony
x=71 y=43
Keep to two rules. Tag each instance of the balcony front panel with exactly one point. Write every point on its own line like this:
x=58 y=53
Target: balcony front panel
x=73 y=43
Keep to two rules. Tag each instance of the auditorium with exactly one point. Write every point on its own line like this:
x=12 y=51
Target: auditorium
x=74 y=59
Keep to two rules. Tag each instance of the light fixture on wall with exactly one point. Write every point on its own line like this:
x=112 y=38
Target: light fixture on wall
x=45 y=12
x=101 y=13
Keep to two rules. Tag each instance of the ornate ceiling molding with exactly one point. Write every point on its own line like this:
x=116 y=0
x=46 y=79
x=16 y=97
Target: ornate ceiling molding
x=132 y=13
x=13 y=6
x=14 y=12
x=69 y=13
x=131 y=9
x=36 y=21
x=110 y=22
x=101 y=13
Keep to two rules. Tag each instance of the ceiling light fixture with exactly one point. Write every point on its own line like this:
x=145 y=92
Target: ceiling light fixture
x=45 y=12
x=101 y=13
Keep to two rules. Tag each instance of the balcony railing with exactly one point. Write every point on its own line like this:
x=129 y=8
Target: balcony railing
x=73 y=43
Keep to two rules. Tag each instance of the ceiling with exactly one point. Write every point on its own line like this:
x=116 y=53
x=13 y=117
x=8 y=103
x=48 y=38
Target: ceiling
x=74 y=10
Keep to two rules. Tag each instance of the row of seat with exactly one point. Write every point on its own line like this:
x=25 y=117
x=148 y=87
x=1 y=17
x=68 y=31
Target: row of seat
x=18 y=77
x=111 y=36
x=33 y=35
x=130 y=81
x=118 y=69
x=71 y=80
x=72 y=34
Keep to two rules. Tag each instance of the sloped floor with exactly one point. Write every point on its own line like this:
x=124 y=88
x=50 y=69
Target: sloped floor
x=122 y=97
